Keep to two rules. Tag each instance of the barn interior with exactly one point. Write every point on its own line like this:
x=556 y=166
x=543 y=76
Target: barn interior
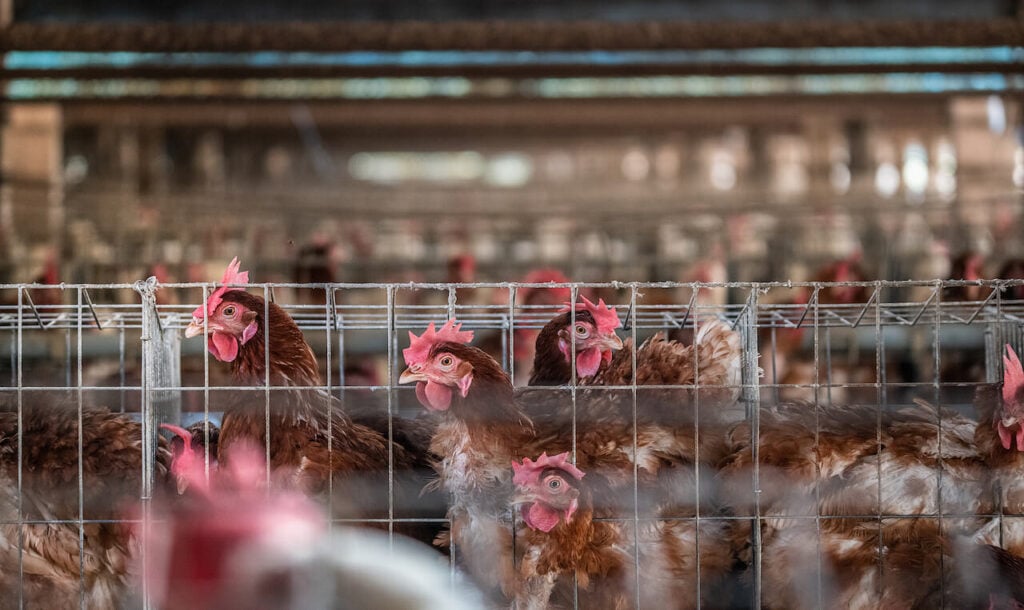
x=841 y=183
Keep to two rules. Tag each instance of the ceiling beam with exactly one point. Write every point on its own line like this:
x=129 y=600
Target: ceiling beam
x=504 y=35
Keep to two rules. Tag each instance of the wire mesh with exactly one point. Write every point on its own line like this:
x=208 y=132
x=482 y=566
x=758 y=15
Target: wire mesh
x=118 y=345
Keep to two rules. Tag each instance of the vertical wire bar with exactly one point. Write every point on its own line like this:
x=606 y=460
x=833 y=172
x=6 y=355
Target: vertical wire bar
x=392 y=353
x=752 y=397
x=936 y=381
x=81 y=470
x=696 y=452
x=775 y=366
x=122 y=372
x=206 y=394
x=14 y=352
x=266 y=378
x=21 y=442
x=880 y=399
x=67 y=359
x=828 y=366
x=150 y=326
x=511 y=369
x=817 y=434
x=636 y=466
x=573 y=296
x=505 y=331
x=997 y=365
x=328 y=325
x=884 y=385
x=512 y=334
x=340 y=327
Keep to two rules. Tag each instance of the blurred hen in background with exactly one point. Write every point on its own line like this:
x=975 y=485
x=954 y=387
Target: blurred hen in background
x=231 y=543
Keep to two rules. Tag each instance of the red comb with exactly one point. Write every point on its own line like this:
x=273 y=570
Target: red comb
x=231 y=276
x=606 y=317
x=186 y=465
x=420 y=346
x=529 y=471
x=180 y=432
x=1013 y=375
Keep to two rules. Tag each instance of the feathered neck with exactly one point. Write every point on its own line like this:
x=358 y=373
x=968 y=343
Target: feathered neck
x=582 y=545
x=491 y=398
x=292 y=362
x=988 y=402
x=488 y=418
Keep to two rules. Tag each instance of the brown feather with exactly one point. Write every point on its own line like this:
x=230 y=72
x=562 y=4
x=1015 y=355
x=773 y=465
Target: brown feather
x=481 y=433
x=313 y=438
x=550 y=366
x=111 y=464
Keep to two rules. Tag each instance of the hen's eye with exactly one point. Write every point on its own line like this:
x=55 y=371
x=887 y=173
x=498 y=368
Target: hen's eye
x=554 y=483
x=446 y=361
x=229 y=311
x=581 y=330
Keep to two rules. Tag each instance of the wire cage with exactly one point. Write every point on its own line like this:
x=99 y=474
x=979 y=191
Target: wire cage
x=878 y=344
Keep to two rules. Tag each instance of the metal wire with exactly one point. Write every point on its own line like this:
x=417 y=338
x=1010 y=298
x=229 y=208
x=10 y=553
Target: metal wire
x=100 y=311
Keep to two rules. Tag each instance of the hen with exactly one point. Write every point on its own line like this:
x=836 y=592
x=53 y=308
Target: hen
x=231 y=543
x=593 y=340
x=483 y=427
x=822 y=472
x=57 y=571
x=1000 y=440
x=564 y=547
x=711 y=366
x=313 y=440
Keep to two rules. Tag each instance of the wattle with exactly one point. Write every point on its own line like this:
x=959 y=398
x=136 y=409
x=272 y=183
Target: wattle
x=588 y=362
x=540 y=517
x=434 y=396
x=1008 y=436
x=224 y=347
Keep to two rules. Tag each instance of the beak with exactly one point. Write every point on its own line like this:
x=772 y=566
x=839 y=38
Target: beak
x=523 y=497
x=194 y=329
x=610 y=342
x=409 y=376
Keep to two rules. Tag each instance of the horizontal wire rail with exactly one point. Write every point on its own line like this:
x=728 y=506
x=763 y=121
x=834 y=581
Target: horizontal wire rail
x=374 y=316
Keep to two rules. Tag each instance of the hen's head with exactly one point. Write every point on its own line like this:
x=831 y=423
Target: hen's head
x=230 y=323
x=199 y=561
x=548 y=490
x=439 y=364
x=1009 y=419
x=593 y=335
x=187 y=466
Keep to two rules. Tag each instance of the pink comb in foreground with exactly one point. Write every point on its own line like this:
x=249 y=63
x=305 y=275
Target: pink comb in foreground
x=187 y=467
x=1013 y=375
x=231 y=276
x=606 y=317
x=528 y=473
x=419 y=347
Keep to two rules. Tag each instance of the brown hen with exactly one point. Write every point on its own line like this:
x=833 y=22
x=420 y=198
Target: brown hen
x=55 y=571
x=314 y=442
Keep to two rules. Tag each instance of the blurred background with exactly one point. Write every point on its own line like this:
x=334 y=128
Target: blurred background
x=481 y=140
